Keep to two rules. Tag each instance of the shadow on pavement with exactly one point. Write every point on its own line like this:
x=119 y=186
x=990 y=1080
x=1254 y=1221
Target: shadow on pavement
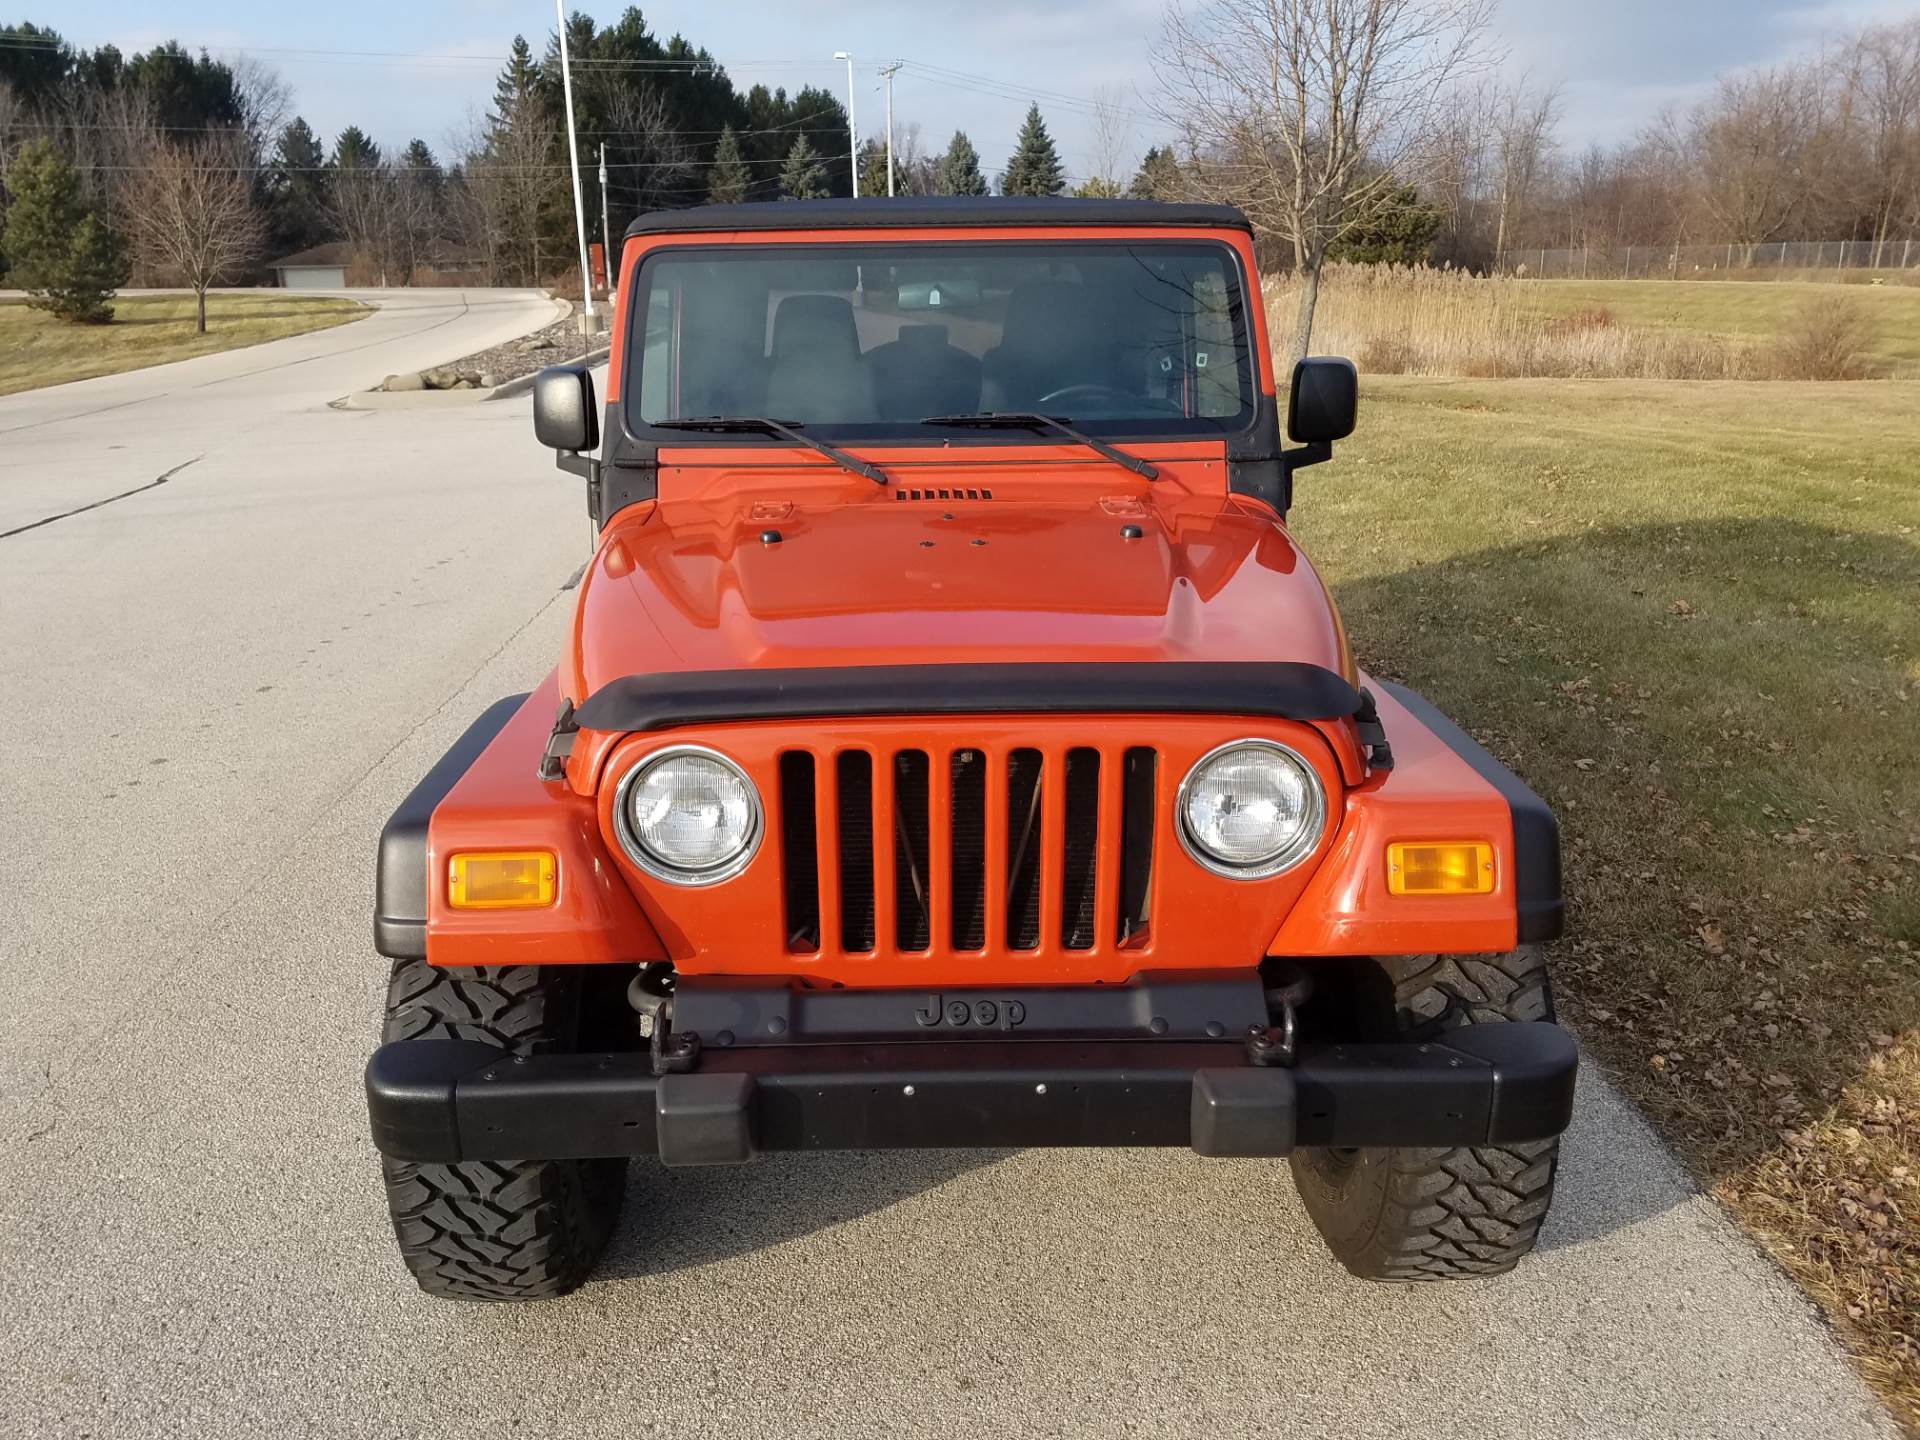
x=677 y=1220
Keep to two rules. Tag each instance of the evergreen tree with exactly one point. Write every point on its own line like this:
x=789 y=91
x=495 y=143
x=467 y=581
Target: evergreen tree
x=1396 y=229
x=728 y=180
x=803 y=177
x=419 y=168
x=64 y=258
x=1158 y=177
x=515 y=87
x=873 y=168
x=354 y=151
x=297 y=190
x=1034 y=168
x=959 y=169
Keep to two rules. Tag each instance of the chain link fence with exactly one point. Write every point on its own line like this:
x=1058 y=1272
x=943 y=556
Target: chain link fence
x=1705 y=262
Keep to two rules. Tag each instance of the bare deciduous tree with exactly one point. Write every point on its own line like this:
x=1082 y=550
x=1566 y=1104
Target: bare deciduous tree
x=1523 y=127
x=1112 y=139
x=1305 y=110
x=191 y=213
x=1749 y=147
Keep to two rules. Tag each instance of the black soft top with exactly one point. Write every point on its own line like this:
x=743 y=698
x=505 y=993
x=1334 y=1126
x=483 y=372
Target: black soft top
x=917 y=211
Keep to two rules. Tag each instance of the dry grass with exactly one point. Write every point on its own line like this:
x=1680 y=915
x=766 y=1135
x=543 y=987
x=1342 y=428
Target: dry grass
x=1420 y=321
x=36 y=349
x=1687 y=615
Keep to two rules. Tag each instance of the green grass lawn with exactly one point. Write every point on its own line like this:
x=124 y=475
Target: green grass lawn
x=1750 y=310
x=1689 y=615
x=36 y=349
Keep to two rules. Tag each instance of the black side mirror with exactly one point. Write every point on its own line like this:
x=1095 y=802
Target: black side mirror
x=566 y=416
x=1322 y=402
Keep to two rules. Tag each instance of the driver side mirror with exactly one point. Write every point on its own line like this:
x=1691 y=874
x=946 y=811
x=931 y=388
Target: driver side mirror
x=1323 y=399
x=566 y=414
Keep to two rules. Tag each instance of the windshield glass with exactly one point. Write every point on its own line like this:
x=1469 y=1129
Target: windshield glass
x=1122 y=337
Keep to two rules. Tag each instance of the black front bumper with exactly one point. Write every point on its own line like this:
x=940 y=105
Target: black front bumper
x=456 y=1100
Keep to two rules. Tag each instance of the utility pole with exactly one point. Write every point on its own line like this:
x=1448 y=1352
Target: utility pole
x=606 y=221
x=853 y=130
x=573 y=157
x=887 y=70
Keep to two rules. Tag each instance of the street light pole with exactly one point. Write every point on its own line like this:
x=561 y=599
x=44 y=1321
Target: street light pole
x=606 y=220
x=573 y=156
x=853 y=129
x=887 y=70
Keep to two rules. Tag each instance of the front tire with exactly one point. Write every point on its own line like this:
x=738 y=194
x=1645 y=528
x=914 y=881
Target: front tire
x=520 y=1230
x=1439 y=1214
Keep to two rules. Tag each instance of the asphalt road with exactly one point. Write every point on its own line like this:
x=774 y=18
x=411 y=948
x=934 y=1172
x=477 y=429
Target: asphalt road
x=215 y=690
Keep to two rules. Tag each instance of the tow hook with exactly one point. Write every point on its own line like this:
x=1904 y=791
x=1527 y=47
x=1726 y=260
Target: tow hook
x=1273 y=1044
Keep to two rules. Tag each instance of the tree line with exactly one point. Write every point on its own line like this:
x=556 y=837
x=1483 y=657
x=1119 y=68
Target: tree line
x=1446 y=161
x=175 y=167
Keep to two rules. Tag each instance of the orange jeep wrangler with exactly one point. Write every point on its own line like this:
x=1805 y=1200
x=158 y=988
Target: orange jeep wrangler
x=953 y=748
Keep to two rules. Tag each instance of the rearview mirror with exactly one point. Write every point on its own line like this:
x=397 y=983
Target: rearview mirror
x=566 y=415
x=1322 y=401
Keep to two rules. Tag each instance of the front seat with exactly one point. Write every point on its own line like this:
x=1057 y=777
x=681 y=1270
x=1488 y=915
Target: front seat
x=818 y=374
x=923 y=373
x=1053 y=338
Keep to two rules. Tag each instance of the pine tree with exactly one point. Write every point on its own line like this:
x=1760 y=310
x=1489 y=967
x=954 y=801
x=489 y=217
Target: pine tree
x=959 y=169
x=96 y=267
x=803 y=177
x=515 y=87
x=418 y=165
x=63 y=257
x=873 y=169
x=728 y=181
x=297 y=190
x=1158 y=177
x=1034 y=168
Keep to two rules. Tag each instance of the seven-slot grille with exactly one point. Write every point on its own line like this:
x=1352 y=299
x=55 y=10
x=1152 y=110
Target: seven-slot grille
x=970 y=849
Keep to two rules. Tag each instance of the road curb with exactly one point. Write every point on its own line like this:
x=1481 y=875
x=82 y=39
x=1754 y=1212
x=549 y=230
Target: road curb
x=521 y=384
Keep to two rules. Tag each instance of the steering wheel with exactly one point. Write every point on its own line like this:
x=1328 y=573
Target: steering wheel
x=1126 y=399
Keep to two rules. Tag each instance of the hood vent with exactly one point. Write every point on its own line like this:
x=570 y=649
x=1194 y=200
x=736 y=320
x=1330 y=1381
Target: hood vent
x=943 y=494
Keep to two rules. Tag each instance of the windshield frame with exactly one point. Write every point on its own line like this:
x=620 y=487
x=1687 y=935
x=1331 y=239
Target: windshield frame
x=912 y=434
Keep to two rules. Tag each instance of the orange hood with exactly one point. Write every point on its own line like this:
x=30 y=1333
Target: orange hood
x=861 y=577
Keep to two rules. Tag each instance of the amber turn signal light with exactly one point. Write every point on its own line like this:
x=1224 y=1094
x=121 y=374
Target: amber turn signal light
x=1446 y=867
x=502 y=880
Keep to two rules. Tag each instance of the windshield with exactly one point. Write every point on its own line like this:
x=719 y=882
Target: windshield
x=871 y=340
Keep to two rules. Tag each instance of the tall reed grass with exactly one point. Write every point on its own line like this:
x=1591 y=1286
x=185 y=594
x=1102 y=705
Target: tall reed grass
x=1396 y=320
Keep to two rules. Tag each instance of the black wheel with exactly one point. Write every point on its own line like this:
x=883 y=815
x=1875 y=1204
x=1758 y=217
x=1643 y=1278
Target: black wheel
x=1439 y=1214
x=521 y=1230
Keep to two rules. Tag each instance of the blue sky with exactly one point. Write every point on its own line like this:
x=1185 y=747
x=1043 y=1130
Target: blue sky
x=1619 y=61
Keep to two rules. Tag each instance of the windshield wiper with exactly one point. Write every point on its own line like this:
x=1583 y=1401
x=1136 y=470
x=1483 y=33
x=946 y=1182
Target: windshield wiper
x=786 y=429
x=1033 y=420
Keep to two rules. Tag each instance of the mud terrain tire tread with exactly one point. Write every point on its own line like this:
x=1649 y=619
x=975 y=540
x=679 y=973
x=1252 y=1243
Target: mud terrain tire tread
x=1440 y=1214
x=520 y=1230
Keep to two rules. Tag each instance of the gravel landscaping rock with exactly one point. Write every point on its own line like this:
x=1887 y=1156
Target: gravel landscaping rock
x=559 y=342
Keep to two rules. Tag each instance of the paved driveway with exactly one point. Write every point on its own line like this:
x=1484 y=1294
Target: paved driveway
x=214 y=692
x=72 y=444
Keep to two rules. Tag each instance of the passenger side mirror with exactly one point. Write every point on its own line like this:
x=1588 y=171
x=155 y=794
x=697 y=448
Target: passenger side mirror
x=1323 y=399
x=566 y=415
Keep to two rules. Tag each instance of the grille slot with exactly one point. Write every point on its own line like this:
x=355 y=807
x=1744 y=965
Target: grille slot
x=1139 y=771
x=967 y=777
x=912 y=896
x=800 y=854
x=1081 y=849
x=1024 y=795
x=920 y=852
x=961 y=494
x=855 y=775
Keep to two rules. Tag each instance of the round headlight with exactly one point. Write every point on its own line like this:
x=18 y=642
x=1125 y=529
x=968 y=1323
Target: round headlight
x=689 y=816
x=1251 y=809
